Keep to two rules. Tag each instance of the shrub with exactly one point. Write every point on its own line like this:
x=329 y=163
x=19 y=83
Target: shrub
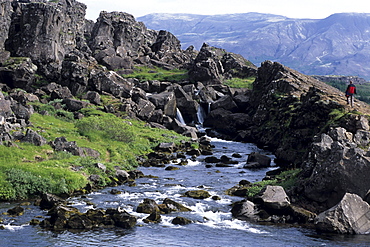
x=107 y=127
x=26 y=184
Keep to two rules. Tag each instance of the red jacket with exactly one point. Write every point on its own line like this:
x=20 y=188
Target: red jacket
x=351 y=90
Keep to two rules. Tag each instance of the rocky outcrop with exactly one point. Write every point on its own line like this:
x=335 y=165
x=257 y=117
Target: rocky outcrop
x=62 y=145
x=46 y=31
x=66 y=217
x=271 y=205
x=213 y=65
x=350 y=216
x=149 y=206
x=283 y=112
x=6 y=12
x=337 y=164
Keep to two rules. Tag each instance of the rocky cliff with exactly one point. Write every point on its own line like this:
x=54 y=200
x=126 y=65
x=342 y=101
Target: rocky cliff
x=51 y=53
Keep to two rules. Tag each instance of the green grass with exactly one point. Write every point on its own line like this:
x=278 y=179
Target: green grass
x=240 y=82
x=159 y=74
x=28 y=170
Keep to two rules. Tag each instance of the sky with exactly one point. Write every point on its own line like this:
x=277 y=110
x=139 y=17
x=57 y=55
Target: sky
x=312 y=9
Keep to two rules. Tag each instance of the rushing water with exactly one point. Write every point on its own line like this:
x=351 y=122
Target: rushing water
x=213 y=224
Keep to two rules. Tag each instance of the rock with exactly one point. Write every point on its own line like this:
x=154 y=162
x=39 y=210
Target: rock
x=64 y=217
x=300 y=215
x=112 y=83
x=334 y=167
x=212 y=159
x=172 y=168
x=207 y=66
x=93 y=97
x=166 y=101
x=257 y=160
x=74 y=105
x=115 y=192
x=245 y=210
x=35 y=222
x=226 y=102
x=101 y=166
x=62 y=145
x=148 y=206
x=18 y=72
x=350 y=216
x=49 y=201
x=34 y=138
x=166 y=147
x=78 y=221
x=198 y=194
x=181 y=221
x=122 y=175
x=134 y=174
x=46 y=45
x=153 y=218
x=16 y=211
x=169 y=206
x=226 y=122
x=5 y=106
x=124 y=220
x=273 y=198
x=21 y=111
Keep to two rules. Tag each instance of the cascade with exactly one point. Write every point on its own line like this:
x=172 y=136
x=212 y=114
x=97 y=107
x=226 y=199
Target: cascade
x=179 y=116
x=201 y=114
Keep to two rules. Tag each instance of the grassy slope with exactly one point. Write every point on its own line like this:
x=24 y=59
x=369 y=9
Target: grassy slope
x=27 y=170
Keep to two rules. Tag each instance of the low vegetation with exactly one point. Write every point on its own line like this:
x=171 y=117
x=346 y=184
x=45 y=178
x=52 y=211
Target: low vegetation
x=240 y=82
x=159 y=74
x=286 y=179
x=27 y=170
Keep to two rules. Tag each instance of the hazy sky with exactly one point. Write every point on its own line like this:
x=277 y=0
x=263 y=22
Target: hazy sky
x=313 y=9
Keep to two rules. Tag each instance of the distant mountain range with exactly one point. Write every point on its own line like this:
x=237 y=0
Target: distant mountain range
x=336 y=45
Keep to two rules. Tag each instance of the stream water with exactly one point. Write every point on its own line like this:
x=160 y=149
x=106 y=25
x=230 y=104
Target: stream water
x=214 y=225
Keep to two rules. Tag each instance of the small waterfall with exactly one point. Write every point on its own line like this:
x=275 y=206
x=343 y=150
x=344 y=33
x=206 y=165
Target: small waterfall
x=179 y=116
x=201 y=114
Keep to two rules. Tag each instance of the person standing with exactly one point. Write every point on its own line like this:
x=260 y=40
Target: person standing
x=351 y=90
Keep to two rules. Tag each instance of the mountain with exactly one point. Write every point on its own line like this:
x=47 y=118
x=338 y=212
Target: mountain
x=336 y=45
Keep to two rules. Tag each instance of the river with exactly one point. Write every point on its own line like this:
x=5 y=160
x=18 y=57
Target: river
x=213 y=224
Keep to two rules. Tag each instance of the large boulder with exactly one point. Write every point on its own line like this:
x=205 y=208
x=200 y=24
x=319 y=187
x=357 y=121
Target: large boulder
x=336 y=166
x=257 y=160
x=110 y=82
x=245 y=210
x=148 y=206
x=34 y=138
x=350 y=216
x=166 y=101
x=273 y=198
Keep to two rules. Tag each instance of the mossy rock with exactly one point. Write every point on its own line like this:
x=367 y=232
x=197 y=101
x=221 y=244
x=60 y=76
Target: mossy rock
x=198 y=194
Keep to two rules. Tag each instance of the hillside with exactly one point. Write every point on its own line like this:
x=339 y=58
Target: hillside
x=336 y=45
